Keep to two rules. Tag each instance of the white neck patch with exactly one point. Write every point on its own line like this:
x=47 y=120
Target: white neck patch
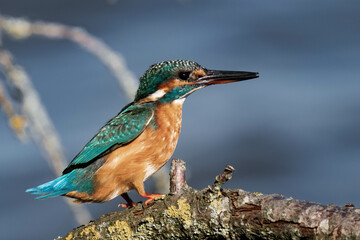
x=179 y=101
x=156 y=95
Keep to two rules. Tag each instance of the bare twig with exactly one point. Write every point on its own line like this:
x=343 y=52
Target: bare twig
x=40 y=125
x=21 y=28
x=222 y=178
x=177 y=176
x=16 y=121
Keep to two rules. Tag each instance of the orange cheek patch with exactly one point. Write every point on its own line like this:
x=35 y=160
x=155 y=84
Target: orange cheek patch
x=171 y=84
x=198 y=73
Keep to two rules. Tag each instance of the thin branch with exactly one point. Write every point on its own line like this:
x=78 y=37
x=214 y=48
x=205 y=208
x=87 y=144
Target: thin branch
x=40 y=125
x=21 y=28
x=17 y=122
x=177 y=176
x=222 y=178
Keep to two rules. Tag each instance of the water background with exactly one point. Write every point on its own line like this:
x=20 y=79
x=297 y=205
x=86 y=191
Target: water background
x=294 y=131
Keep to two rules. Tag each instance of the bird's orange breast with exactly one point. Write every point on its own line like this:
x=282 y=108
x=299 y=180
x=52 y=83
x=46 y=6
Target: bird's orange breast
x=141 y=158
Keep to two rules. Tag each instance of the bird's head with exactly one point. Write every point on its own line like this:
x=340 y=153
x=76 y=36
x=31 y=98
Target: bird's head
x=175 y=79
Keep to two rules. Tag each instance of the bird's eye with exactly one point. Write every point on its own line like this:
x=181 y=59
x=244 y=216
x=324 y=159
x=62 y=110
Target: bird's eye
x=184 y=75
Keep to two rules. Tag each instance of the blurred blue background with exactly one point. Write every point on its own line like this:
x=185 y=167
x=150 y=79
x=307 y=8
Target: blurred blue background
x=294 y=131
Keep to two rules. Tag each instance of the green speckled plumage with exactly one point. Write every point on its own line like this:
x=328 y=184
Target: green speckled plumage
x=158 y=73
x=120 y=130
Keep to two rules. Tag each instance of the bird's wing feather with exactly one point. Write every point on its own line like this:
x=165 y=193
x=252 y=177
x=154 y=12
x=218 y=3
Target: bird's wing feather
x=119 y=131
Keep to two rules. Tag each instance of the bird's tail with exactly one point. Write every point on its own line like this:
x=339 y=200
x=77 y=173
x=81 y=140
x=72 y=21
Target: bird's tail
x=54 y=188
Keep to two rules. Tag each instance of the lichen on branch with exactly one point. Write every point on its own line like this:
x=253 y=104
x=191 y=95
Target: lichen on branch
x=215 y=213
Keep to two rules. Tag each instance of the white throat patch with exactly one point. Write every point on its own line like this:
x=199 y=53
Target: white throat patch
x=156 y=95
x=179 y=101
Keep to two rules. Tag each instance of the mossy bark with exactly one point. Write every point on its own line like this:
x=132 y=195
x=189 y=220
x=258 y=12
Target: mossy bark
x=215 y=213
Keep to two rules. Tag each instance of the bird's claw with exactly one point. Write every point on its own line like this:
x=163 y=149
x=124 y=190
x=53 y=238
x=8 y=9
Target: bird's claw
x=127 y=205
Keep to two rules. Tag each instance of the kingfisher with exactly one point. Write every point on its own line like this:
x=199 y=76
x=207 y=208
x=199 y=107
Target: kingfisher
x=138 y=141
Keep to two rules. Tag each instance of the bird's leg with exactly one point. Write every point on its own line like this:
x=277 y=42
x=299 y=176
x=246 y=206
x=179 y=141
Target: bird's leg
x=151 y=196
x=130 y=203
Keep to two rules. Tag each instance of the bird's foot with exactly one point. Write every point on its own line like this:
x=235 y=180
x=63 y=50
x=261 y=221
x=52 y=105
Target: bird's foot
x=152 y=196
x=129 y=203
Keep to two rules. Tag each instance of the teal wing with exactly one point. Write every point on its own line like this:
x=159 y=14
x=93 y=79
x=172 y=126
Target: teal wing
x=120 y=130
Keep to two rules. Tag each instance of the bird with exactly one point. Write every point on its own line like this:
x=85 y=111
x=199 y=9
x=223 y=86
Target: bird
x=138 y=141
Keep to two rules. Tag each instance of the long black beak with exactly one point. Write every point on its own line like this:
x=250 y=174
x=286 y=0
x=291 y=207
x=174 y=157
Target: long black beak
x=219 y=77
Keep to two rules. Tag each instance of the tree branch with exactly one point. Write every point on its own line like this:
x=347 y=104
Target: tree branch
x=222 y=178
x=21 y=28
x=39 y=123
x=177 y=176
x=16 y=121
x=215 y=213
